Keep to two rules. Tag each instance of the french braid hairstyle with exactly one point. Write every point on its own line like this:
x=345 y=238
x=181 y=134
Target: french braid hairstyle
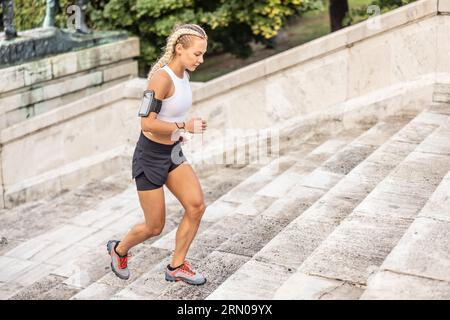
x=181 y=34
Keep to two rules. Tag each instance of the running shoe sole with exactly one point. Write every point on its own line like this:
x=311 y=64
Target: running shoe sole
x=175 y=279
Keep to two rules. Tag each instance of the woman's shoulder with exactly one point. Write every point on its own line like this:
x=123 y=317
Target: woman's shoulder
x=162 y=75
x=160 y=83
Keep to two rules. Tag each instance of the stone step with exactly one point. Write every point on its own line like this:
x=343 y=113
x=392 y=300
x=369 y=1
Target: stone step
x=144 y=258
x=297 y=241
x=418 y=267
x=59 y=251
x=147 y=286
x=260 y=179
x=50 y=287
x=45 y=257
x=35 y=218
x=442 y=96
x=245 y=241
x=358 y=245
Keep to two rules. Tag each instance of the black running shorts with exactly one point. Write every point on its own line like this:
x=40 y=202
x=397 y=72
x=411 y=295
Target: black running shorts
x=152 y=162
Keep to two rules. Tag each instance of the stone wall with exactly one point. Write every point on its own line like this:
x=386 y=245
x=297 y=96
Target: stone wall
x=36 y=87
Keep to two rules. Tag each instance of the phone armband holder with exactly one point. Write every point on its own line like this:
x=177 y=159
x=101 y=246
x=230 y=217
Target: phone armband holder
x=149 y=104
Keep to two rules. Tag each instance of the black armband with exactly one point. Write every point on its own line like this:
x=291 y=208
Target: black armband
x=149 y=104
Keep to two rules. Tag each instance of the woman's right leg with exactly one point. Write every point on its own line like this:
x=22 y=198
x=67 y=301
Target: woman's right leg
x=153 y=205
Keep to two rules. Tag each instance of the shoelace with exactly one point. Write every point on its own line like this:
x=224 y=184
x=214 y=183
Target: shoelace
x=123 y=261
x=186 y=267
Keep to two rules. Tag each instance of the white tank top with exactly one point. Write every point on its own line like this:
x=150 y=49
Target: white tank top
x=175 y=108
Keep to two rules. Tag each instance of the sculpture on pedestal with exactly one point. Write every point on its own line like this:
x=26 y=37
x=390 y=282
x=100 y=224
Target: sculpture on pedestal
x=37 y=43
x=80 y=15
x=50 y=13
x=8 y=19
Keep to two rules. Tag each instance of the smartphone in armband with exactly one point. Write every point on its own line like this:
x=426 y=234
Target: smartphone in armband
x=149 y=104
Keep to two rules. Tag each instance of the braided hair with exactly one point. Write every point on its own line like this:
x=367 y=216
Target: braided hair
x=181 y=34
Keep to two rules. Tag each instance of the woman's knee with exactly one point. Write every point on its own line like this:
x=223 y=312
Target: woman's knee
x=195 y=211
x=153 y=230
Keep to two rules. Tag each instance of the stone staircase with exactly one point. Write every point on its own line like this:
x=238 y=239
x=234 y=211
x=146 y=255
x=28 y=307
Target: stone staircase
x=34 y=259
x=333 y=217
x=330 y=249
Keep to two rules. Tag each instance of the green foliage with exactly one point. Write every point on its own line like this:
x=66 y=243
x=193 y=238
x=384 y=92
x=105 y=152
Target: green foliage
x=28 y=14
x=231 y=25
x=235 y=23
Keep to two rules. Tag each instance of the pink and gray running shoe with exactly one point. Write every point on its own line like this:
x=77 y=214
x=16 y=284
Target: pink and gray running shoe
x=119 y=265
x=184 y=273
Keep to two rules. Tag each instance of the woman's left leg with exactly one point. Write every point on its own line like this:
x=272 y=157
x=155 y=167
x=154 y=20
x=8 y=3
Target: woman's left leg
x=185 y=186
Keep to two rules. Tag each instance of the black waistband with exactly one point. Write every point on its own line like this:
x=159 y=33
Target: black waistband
x=156 y=145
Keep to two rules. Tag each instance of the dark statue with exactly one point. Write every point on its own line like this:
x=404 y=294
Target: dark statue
x=80 y=23
x=8 y=19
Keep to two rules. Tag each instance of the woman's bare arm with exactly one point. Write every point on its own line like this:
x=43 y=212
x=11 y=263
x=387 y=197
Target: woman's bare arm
x=160 y=83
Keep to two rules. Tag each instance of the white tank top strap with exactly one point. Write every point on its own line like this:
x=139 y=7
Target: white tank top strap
x=172 y=74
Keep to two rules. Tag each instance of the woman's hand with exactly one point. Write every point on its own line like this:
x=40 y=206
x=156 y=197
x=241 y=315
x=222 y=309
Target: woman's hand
x=196 y=125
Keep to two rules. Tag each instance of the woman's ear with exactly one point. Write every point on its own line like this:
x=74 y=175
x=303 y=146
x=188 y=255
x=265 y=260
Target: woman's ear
x=178 y=48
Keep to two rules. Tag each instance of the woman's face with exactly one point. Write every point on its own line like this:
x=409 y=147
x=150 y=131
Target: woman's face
x=192 y=57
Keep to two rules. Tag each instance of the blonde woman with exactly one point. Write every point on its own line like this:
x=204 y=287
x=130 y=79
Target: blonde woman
x=158 y=160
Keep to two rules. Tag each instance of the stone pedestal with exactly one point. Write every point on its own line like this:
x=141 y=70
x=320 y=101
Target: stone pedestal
x=41 y=42
x=38 y=86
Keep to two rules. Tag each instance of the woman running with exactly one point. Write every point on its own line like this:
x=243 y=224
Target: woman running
x=158 y=160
